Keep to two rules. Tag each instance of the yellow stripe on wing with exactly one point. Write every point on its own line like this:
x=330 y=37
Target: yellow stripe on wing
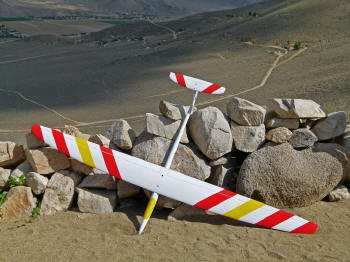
x=244 y=209
x=85 y=152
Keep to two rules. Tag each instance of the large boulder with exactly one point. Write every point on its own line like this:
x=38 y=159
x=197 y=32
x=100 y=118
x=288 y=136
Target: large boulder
x=161 y=126
x=19 y=203
x=36 y=182
x=296 y=108
x=47 y=160
x=96 y=201
x=283 y=177
x=186 y=160
x=210 y=131
x=222 y=176
x=344 y=140
x=4 y=177
x=58 y=195
x=332 y=126
x=338 y=152
x=173 y=111
x=245 y=113
x=247 y=138
x=121 y=134
x=303 y=137
x=279 y=135
x=11 y=154
x=282 y=122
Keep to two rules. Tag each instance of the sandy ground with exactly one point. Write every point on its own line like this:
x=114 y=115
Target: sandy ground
x=73 y=236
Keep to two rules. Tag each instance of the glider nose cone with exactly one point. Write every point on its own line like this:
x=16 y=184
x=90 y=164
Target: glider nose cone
x=36 y=130
x=308 y=228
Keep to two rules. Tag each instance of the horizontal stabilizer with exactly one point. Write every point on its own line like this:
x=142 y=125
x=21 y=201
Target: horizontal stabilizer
x=197 y=84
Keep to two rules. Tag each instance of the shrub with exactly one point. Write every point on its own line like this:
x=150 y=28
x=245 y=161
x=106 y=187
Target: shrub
x=297 y=45
x=13 y=181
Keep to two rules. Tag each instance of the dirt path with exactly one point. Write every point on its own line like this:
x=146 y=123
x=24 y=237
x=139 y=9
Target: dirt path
x=165 y=27
x=281 y=52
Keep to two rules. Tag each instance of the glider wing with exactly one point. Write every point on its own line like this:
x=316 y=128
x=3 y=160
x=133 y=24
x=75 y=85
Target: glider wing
x=173 y=184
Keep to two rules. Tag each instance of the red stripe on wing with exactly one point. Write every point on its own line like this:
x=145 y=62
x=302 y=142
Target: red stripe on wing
x=60 y=142
x=211 y=89
x=110 y=162
x=180 y=80
x=274 y=219
x=215 y=199
x=36 y=130
x=308 y=228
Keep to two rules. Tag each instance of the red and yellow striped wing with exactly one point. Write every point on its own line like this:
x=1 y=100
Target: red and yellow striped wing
x=173 y=184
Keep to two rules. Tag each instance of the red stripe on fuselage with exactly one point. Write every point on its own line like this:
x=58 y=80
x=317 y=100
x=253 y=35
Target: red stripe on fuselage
x=215 y=199
x=60 y=142
x=211 y=89
x=274 y=219
x=110 y=162
x=180 y=80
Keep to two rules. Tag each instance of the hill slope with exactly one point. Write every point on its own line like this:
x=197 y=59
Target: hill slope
x=11 y=8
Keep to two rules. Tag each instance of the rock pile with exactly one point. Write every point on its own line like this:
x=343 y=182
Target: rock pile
x=288 y=154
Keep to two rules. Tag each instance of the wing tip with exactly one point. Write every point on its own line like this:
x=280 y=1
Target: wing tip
x=36 y=130
x=308 y=228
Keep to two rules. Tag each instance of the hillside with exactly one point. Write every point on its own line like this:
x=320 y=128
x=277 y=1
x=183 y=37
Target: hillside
x=129 y=75
x=13 y=8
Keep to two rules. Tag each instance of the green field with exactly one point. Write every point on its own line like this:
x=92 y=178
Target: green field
x=113 y=22
x=14 y=19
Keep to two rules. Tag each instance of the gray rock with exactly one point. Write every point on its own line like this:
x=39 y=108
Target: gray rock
x=186 y=160
x=341 y=192
x=296 y=108
x=330 y=127
x=225 y=160
x=283 y=122
x=36 y=182
x=47 y=160
x=126 y=190
x=185 y=211
x=279 y=135
x=96 y=201
x=121 y=134
x=100 y=140
x=222 y=176
x=283 y=177
x=79 y=167
x=173 y=111
x=344 y=140
x=21 y=170
x=99 y=181
x=4 y=177
x=245 y=113
x=11 y=154
x=161 y=126
x=76 y=177
x=33 y=142
x=338 y=152
x=58 y=195
x=19 y=203
x=210 y=131
x=303 y=137
x=247 y=138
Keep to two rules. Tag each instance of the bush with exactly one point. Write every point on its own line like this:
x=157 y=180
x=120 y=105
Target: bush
x=297 y=45
x=13 y=181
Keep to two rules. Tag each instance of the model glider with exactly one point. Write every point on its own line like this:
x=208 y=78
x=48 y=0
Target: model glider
x=172 y=184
